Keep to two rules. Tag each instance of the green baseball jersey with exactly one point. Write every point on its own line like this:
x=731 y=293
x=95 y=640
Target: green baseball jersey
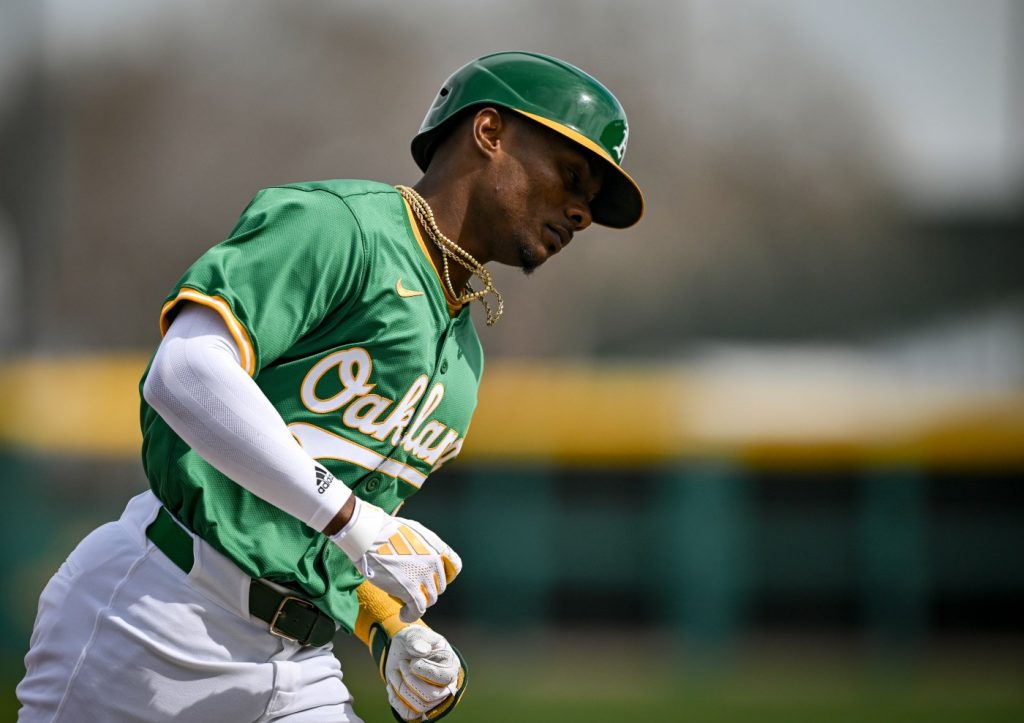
x=342 y=321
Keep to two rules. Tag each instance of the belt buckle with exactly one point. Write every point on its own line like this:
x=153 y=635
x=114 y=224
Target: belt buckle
x=274 y=630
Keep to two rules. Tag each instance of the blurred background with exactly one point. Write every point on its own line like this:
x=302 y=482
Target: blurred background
x=760 y=458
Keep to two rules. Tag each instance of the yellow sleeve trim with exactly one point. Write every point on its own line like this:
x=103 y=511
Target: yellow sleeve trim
x=218 y=304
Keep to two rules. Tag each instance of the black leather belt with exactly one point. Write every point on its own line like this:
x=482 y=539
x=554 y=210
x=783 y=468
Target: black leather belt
x=289 y=616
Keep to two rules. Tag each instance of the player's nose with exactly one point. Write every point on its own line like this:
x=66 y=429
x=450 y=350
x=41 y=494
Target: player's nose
x=578 y=213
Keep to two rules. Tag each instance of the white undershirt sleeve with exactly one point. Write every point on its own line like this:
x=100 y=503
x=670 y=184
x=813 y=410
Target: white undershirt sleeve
x=198 y=387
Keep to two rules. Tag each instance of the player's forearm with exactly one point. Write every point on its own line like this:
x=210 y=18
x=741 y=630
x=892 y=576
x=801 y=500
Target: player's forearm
x=341 y=517
x=197 y=386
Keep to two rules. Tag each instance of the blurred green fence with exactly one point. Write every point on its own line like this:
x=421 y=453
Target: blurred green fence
x=593 y=512
x=715 y=549
x=718 y=550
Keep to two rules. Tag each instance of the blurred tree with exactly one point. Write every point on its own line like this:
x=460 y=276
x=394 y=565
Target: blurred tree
x=770 y=214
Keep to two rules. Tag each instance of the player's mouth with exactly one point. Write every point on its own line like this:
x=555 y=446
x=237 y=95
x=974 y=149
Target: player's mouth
x=560 y=237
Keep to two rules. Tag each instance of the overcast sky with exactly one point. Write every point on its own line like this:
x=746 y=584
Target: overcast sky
x=939 y=72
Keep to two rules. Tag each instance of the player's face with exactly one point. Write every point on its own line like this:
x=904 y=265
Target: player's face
x=545 y=186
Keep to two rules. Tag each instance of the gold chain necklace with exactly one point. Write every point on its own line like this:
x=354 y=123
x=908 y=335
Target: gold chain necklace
x=450 y=249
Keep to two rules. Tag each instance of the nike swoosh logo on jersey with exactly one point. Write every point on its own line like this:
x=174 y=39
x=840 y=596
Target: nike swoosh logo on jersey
x=406 y=293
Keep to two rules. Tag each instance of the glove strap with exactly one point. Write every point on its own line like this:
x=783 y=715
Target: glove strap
x=379 y=643
x=358 y=535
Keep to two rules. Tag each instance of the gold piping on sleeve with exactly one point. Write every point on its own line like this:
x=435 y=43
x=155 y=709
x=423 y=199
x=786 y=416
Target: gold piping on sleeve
x=221 y=306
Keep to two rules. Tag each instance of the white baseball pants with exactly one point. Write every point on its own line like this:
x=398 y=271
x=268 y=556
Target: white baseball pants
x=122 y=634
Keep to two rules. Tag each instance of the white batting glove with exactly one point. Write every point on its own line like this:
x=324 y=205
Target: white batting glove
x=422 y=671
x=402 y=557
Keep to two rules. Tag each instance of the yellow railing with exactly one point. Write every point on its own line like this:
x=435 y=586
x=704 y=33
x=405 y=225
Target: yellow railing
x=579 y=413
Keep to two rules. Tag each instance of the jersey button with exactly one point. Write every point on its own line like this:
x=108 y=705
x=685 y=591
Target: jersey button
x=372 y=484
x=444 y=366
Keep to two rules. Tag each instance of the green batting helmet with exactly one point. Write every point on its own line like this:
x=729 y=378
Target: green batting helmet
x=555 y=94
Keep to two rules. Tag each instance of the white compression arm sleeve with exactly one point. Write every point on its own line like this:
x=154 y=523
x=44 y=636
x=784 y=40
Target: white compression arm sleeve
x=198 y=387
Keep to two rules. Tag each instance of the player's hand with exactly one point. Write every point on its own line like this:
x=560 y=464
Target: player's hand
x=400 y=556
x=411 y=563
x=423 y=674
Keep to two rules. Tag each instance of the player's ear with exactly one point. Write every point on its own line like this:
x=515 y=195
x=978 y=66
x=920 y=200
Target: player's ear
x=488 y=128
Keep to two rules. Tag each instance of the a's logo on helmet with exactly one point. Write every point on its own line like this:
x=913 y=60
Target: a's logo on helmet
x=615 y=136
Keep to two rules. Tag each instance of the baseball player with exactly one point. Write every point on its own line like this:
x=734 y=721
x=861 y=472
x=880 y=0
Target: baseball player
x=315 y=368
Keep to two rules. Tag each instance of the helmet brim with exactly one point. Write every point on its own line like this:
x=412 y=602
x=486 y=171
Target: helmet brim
x=620 y=202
